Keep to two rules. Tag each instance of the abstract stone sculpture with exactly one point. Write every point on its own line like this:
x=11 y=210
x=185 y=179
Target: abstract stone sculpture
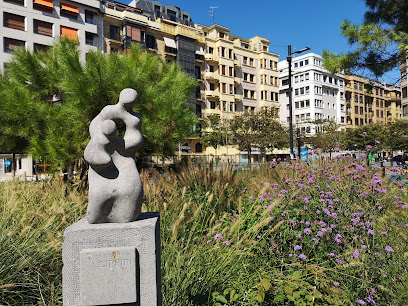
x=115 y=188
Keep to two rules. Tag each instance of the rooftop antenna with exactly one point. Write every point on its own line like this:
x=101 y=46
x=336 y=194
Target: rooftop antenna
x=211 y=11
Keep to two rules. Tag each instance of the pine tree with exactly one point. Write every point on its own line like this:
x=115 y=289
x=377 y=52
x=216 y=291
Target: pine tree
x=381 y=40
x=49 y=99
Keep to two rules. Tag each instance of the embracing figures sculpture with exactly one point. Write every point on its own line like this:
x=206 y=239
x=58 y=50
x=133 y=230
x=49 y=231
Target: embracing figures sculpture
x=112 y=257
x=115 y=188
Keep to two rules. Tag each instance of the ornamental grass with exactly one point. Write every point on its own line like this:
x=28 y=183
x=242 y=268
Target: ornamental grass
x=329 y=233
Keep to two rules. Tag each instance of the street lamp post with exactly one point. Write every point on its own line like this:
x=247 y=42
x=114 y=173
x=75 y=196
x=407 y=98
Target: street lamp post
x=289 y=59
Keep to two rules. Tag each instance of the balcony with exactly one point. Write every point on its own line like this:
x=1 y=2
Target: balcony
x=211 y=58
x=209 y=111
x=199 y=58
x=211 y=76
x=170 y=51
x=238 y=97
x=212 y=95
x=237 y=64
x=237 y=81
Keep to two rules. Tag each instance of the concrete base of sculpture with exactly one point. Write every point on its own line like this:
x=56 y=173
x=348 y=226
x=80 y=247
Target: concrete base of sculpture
x=112 y=263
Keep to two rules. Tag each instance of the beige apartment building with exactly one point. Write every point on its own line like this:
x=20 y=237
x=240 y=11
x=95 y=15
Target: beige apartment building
x=404 y=86
x=369 y=101
x=233 y=74
x=239 y=75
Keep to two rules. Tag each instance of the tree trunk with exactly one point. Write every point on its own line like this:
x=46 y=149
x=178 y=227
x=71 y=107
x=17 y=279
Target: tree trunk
x=249 y=158
x=13 y=164
x=392 y=155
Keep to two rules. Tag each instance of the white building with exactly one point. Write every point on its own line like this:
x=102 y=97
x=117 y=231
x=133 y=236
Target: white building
x=316 y=94
x=35 y=24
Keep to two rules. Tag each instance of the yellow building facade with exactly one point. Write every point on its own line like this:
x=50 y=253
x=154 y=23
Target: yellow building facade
x=233 y=74
x=240 y=75
x=369 y=101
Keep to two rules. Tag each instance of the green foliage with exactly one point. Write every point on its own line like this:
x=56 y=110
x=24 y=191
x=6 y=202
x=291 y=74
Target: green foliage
x=381 y=40
x=392 y=136
x=330 y=137
x=360 y=137
x=397 y=135
x=215 y=132
x=49 y=99
x=32 y=220
x=260 y=129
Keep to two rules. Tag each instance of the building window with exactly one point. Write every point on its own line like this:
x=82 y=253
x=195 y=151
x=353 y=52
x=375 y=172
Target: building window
x=197 y=74
x=18 y=2
x=199 y=148
x=42 y=27
x=151 y=42
x=114 y=32
x=157 y=11
x=212 y=105
x=69 y=11
x=44 y=5
x=221 y=34
x=41 y=48
x=134 y=34
x=11 y=44
x=89 y=38
x=404 y=92
x=69 y=33
x=89 y=17
x=172 y=15
x=306 y=62
x=14 y=21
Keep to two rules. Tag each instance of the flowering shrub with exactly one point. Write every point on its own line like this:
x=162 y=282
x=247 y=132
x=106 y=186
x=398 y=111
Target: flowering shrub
x=339 y=221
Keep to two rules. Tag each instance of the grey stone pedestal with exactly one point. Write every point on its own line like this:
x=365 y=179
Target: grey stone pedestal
x=112 y=263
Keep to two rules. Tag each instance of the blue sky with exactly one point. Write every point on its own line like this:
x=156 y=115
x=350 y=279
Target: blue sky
x=301 y=23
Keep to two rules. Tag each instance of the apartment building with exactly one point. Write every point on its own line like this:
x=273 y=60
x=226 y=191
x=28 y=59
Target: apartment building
x=404 y=86
x=233 y=74
x=316 y=94
x=239 y=74
x=35 y=24
x=162 y=29
x=369 y=101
